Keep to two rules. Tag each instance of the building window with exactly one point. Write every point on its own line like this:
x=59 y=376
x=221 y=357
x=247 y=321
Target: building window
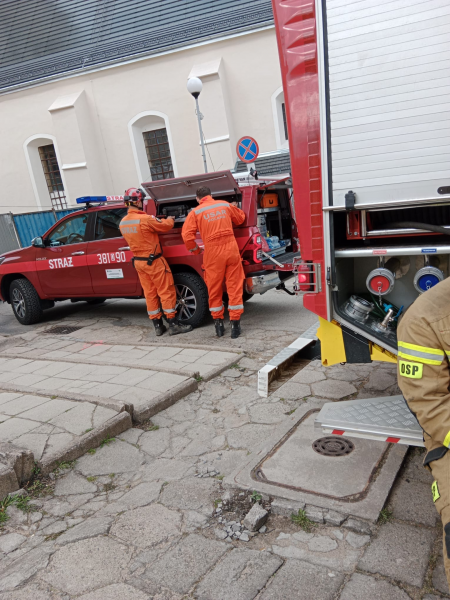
x=158 y=154
x=283 y=110
x=53 y=176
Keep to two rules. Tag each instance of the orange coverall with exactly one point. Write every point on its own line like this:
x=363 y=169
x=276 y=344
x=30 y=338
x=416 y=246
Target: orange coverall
x=140 y=231
x=222 y=261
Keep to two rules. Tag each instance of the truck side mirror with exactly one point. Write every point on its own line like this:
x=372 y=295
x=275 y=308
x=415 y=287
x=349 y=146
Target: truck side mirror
x=38 y=242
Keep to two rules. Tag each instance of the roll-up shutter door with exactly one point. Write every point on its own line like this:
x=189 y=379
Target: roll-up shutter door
x=389 y=94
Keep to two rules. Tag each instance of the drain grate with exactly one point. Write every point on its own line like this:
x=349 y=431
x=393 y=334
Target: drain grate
x=333 y=446
x=61 y=330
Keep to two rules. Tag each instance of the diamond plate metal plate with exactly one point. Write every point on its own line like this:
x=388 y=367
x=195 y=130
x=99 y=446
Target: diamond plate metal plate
x=383 y=417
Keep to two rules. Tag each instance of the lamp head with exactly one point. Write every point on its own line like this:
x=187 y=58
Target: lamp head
x=194 y=86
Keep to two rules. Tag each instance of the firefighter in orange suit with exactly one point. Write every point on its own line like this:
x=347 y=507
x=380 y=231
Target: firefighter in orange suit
x=140 y=231
x=214 y=220
x=424 y=378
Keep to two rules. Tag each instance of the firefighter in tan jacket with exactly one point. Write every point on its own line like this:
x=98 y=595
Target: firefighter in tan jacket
x=424 y=378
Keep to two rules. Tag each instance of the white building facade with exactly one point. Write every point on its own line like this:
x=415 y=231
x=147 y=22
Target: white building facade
x=100 y=129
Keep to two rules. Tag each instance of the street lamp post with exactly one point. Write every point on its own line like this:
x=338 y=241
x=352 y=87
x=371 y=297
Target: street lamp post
x=195 y=86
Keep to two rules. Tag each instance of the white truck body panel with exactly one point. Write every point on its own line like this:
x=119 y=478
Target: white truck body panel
x=389 y=99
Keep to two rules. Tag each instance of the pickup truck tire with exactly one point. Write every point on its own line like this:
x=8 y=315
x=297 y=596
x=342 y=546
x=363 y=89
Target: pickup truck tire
x=25 y=302
x=191 y=289
x=246 y=296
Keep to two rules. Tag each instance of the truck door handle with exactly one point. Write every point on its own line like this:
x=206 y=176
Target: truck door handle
x=125 y=248
x=77 y=253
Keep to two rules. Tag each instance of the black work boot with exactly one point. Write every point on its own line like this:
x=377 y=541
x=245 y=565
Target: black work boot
x=175 y=327
x=220 y=328
x=160 y=328
x=235 y=329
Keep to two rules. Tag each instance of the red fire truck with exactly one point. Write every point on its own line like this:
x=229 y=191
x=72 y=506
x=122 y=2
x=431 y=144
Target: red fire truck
x=84 y=258
x=366 y=91
x=369 y=123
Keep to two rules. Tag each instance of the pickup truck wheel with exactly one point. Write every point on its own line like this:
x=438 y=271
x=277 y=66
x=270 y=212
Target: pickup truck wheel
x=192 y=298
x=25 y=302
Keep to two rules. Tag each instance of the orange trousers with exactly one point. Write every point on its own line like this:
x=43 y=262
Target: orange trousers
x=159 y=288
x=222 y=262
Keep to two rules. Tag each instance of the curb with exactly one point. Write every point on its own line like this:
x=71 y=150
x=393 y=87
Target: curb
x=111 y=428
x=188 y=347
x=98 y=363
x=166 y=400
x=93 y=361
x=223 y=367
x=116 y=405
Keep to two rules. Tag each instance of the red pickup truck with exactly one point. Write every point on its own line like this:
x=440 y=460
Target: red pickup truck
x=84 y=258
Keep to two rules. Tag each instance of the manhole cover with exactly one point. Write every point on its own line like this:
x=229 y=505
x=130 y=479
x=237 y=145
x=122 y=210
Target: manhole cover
x=333 y=446
x=61 y=330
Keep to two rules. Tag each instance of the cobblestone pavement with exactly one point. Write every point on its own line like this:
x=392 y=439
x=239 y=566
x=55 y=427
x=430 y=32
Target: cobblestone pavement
x=61 y=397
x=147 y=517
x=48 y=426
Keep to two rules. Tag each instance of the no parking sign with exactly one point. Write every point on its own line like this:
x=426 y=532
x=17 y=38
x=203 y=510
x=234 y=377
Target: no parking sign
x=247 y=149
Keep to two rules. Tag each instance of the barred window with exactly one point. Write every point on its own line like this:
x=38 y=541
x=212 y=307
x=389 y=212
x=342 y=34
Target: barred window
x=53 y=176
x=158 y=154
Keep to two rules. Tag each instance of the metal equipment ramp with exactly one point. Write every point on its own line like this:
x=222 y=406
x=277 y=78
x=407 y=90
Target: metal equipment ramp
x=272 y=369
x=382 y=419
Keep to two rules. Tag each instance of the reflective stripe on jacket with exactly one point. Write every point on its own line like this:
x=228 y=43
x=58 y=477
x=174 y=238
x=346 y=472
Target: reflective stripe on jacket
x=140 y=230
x=423 y=362
x=214 y=220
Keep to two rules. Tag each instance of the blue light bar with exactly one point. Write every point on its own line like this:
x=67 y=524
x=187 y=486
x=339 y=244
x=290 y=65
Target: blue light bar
x=86 y=199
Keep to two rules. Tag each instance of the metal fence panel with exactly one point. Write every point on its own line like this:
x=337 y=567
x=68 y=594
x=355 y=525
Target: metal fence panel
x=31 y=225
x=8 y=237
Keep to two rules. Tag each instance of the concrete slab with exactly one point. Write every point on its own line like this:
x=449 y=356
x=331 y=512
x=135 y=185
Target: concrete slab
x=6 y=397
x=363 y=586
x=47 y=411
x=78 y=419
x=298 y=579
x=162 y=382
x=22 y=403
x=5 y=377
x=296 y=464
x=87 y=564
x=286 y=467
x=412 y=501
x=389 y=554
x=147 y=526
x=35 y=442
x=29 y=379
x=184 y=564
x=13 y=428
x=439 y=578
x=240 y=575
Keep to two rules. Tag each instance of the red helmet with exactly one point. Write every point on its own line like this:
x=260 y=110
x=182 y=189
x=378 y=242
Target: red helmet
x=133 y=196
